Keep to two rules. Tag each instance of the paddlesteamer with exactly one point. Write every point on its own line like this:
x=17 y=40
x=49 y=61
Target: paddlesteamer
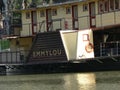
x=62 y=36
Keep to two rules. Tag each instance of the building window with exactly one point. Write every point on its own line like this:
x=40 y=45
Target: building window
x=68 y=10
x=54 y=12
x=27 y=15
x=85 y=7
x=42 y=13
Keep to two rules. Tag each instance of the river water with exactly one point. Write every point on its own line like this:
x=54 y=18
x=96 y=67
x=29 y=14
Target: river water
x=63 y=81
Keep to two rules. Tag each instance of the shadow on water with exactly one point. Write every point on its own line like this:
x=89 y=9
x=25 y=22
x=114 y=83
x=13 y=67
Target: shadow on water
x=109 y=80
x=44 y=81
x=108 y=77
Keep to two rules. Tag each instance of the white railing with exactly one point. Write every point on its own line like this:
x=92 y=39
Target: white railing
x=83 y=22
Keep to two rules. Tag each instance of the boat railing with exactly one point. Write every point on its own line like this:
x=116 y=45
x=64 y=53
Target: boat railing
x=13 y=57
x=110 y=49
x=58 y=23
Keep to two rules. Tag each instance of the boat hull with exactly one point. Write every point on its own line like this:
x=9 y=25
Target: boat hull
x=85 y=65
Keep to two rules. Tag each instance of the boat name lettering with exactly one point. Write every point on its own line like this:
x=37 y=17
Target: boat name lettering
x=54 y=52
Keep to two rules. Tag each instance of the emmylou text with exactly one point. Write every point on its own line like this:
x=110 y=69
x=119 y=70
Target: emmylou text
x=53 y=52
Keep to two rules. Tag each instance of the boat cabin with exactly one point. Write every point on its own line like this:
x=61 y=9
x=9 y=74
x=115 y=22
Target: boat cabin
x=102 y=16
x=74 y=15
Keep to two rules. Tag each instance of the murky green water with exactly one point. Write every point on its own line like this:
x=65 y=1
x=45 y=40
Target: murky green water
x=66 y=81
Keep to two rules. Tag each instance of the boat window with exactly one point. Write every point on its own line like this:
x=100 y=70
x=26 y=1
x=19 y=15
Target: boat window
x=27 y=15
x=101 y=6
x=111 y=2
x=68 y=10
x=85 y=7
x=42 y=13
x=54 y=12
x=108 y=5
x=117 y=4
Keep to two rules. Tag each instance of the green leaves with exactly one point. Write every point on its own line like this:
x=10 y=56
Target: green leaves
x=4 y=44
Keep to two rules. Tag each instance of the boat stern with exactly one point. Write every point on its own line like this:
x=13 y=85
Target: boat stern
x=78 y=44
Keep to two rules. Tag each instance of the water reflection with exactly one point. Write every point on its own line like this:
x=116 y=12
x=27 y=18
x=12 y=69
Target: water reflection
x=87 y=78
x=75 y=81
x=68 y=81
x=85 y=81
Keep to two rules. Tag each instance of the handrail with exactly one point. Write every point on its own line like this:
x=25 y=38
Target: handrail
x=83 y=23
x=13 y=57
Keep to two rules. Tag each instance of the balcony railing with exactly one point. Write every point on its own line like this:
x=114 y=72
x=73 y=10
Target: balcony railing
x=83 y=22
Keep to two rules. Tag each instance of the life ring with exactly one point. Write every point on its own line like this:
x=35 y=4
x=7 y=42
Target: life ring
x=89 y=48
